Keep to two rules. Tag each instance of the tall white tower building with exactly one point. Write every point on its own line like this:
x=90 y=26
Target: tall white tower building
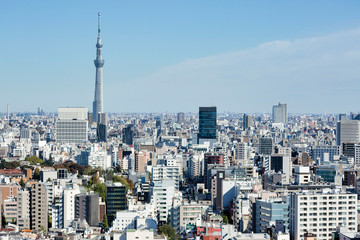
x=99 y=63
x=279 y=113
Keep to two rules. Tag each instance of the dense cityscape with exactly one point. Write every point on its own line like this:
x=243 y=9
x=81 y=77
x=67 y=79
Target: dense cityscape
x=209 y=174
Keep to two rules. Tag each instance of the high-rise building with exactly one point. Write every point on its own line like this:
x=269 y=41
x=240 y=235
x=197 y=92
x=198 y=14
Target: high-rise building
x=347 y=131
x=265 y=146
x=128 y=134
x=141 y=159
x=211 y=158
x=87 y=207
x=23 y=209
x=207 y=123
x=25 y=133
x=163 y=193
x=241 y=151
x=101 y=131
x=283 y=164
x=39 y=207
x=247 y=121
x=180 y=117
x=99 y=63
x=115 y=200
x=162 y=172
x=279 y=113
x=72 y=125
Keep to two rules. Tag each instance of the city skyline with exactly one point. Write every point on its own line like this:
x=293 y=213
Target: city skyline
x=153 y=66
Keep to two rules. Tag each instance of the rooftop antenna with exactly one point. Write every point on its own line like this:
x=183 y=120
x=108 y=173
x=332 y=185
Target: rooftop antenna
x=99 y=18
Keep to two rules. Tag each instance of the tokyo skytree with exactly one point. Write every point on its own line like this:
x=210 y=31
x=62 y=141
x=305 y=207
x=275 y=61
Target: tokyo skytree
x=99 y=63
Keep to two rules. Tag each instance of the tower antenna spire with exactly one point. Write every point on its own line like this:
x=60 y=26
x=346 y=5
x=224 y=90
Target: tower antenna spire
x=99 y=18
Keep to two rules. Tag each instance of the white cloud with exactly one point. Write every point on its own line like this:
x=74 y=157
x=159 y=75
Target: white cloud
x=310 y=74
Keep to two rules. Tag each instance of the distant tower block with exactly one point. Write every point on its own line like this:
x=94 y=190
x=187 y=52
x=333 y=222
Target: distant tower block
x=99 y=63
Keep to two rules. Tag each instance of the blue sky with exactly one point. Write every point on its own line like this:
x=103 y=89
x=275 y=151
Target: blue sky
x=242 y=56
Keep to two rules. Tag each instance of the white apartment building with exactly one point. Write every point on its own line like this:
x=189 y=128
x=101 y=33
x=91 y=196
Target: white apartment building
x=163 y=193
x=241 y=216
x=190 y=214
x=10 y=209
x=196 y=165
x=23 y=209
x=241 y=151
x=124 y=220
x=321 y=212
x=69 y=203
x=162 y=172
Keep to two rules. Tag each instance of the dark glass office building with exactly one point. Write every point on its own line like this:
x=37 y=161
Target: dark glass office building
x=115 y=201
x=207 y=122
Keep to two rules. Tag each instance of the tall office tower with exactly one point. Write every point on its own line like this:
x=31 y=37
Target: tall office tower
x=180 y=117
x=101 y=131
x=72 y=125
x=115 y=200
x=128 y=134
x=87 y=207
x=265 y=146
x=8 y=114
x=279 y=113
x=99 y=63
x=347 y=131
x=321 y=212
x=207 y=123
x=23 y=209
x=39 y=207
x=247 y=121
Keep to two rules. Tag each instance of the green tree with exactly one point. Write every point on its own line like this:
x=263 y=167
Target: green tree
x=225 y=218
x=34 y=160
x=36 y=174
x=105 y=223
x=8 y=165
x=42 y=229
x=101 y=189
x=168 y=231
x=49 y=221
x=126 y=182
x=48 y=163
x=22 y=183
